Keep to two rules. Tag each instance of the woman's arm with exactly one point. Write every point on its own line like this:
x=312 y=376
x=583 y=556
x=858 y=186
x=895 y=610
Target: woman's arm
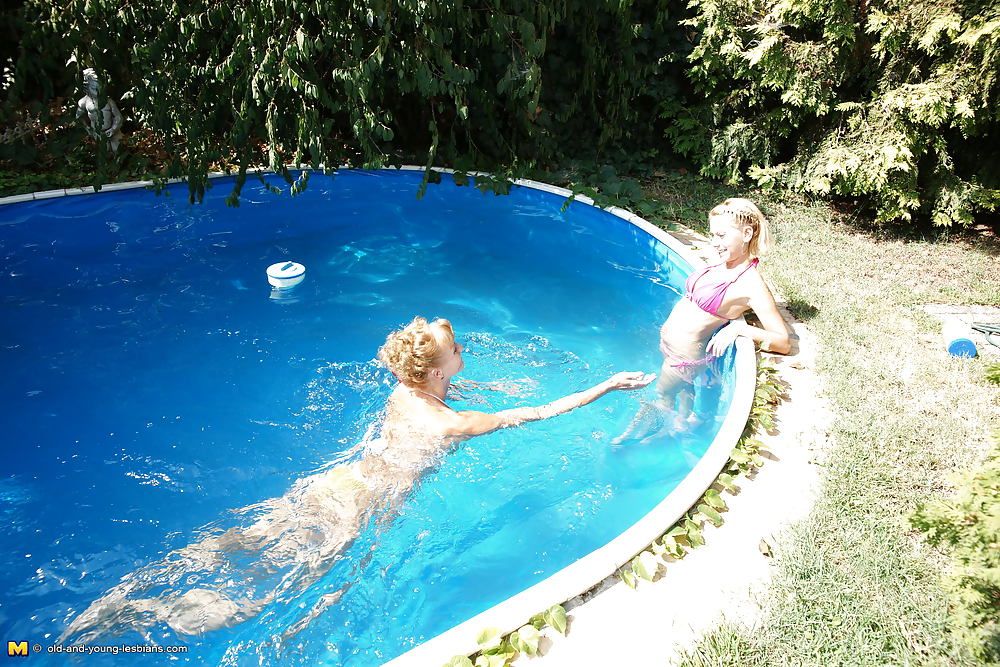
x=470 y=423
x=773 y=335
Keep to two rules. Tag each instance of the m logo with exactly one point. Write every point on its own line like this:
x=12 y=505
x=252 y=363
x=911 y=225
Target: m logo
x=15 y=649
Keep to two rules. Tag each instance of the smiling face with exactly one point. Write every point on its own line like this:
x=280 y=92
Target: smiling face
x=730 y=239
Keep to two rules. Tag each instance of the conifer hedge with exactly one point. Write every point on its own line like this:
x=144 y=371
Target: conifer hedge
x=892 y=101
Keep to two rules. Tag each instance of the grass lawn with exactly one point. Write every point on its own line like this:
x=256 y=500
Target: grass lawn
x=854 y=584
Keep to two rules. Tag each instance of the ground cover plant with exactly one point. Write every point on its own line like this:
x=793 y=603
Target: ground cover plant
x=969 y=526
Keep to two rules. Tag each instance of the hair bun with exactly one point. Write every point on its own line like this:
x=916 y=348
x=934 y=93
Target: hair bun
x=412 y=352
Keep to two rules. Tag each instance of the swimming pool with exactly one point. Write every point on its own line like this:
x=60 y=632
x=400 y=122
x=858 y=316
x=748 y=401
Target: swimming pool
x=153 y=384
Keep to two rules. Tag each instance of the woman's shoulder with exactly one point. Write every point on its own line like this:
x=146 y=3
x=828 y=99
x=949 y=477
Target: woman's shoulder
x=404 y=410
x=752 y=272
x=754 y=285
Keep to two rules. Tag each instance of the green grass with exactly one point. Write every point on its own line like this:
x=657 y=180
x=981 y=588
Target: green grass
x=854 y=584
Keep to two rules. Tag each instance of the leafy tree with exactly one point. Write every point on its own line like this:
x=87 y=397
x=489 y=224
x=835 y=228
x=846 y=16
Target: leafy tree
x=367 y=83
x=894 y=103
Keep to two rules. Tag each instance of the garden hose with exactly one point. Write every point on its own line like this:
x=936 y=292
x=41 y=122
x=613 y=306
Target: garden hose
x=988 y=331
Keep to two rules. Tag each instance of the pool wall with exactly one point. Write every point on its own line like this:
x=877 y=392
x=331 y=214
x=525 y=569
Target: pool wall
x=591 y=569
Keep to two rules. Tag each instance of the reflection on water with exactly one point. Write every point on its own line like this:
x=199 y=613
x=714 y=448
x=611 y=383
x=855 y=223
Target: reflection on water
x=286 y=295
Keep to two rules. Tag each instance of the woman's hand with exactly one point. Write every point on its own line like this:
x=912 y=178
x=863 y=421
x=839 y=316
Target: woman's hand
x=723 y=338
x=630 y=380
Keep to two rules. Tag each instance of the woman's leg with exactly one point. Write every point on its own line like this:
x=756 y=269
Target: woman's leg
x=656 y=418
x=304 y=530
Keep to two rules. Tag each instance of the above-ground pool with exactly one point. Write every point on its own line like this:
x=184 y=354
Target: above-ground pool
x=155 y=391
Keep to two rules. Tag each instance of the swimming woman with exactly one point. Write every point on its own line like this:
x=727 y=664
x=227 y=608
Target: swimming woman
x=298 y=537
x=705 y=322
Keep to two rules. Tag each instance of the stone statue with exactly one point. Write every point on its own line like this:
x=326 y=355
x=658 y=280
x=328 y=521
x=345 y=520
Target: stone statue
x=108 y=119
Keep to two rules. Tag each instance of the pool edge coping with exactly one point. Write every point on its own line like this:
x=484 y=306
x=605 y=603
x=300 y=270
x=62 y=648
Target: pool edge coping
x=588 y=571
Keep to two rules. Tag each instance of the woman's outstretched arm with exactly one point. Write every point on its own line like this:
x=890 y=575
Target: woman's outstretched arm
x=470 y=423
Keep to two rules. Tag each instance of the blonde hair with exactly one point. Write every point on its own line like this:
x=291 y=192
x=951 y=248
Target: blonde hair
x=746 y=214
x=413 y=351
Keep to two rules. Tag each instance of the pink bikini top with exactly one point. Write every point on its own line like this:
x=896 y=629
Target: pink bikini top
x=709 y=296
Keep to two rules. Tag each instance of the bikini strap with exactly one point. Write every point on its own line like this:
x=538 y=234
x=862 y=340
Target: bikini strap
x=749 y=266
x=429 y=395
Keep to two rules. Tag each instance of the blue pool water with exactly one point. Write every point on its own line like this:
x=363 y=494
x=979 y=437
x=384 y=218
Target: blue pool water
x=151 y=386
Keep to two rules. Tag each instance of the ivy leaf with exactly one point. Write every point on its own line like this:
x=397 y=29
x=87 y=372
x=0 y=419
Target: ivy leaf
x=727 y=482
x=489 y=638
x=625 y=574
x=555 y=616
x=525 y=640
x=673 y=548
x=504 y=651
x=694 y=534
x=645 y=565
x=710 y=514
x=677 y=531
x=714 y=500
x=739 y=456
x=459 y=661
x=494 y=660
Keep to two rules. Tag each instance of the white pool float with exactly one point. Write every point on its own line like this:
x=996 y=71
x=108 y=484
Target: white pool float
x=285 y=274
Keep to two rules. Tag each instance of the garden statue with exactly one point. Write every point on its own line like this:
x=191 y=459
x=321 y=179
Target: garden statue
x=107 y=119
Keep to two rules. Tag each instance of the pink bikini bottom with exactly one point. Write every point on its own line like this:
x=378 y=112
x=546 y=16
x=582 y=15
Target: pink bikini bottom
x=684 y=367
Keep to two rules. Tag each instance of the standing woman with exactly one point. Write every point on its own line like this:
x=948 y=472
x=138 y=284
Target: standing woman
x=704 y=322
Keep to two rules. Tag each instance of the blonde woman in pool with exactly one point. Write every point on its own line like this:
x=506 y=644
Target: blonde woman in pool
x=298 y=536
x=705 y=322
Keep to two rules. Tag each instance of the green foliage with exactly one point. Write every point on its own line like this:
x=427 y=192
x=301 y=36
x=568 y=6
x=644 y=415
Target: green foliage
x=525 y=640
x=968 y=526
x=555 y=617
x=894 y=102
x=628 y=577
x=471 y=85
x=496 y=650
x=645 y=565
x=489 y=638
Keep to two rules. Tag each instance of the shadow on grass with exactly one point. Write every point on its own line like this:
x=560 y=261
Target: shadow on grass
x=983 y=235
x=801 y=310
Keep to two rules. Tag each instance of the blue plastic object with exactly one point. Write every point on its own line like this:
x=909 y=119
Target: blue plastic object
x=962 y=347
